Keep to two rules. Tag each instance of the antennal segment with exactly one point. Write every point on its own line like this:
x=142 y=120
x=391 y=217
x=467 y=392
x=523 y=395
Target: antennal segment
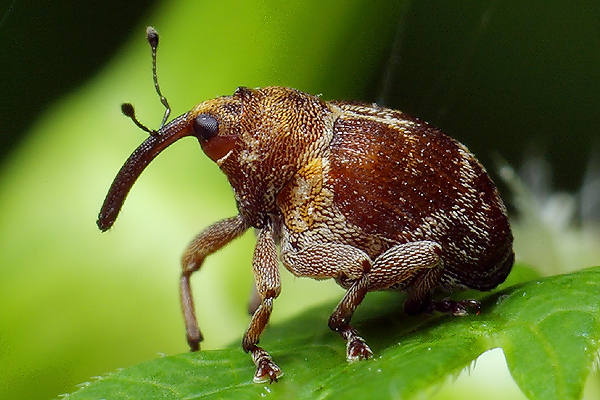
x=152 y=36
x=129 y=111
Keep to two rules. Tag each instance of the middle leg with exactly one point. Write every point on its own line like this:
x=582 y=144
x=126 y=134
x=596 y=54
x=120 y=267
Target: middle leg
x=349 y=266
x=397 y=267
x=339 y=321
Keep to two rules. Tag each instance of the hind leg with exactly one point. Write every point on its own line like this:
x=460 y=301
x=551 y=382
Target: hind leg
x=419 y=298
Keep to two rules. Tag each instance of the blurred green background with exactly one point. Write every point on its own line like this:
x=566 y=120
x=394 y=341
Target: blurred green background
x=513 y=80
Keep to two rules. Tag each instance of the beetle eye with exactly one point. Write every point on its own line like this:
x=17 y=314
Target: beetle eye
x=205 y=126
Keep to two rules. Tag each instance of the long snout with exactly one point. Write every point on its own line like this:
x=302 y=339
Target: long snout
x=135 y=164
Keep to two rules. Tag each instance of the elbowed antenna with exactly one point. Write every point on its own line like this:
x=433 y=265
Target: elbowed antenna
x=127 y=108
x=146 y=152
x=152 y=36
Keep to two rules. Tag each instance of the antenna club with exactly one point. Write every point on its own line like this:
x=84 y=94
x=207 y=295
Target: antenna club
x=128 y=110
x=152 y=36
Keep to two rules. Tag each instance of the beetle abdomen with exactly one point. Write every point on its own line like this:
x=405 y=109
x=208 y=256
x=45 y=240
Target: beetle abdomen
x=398 y=178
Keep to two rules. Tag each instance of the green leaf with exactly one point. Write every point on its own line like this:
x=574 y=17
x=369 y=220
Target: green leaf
x=549 y=330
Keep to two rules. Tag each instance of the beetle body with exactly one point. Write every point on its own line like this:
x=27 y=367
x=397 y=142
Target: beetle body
x=365 y=195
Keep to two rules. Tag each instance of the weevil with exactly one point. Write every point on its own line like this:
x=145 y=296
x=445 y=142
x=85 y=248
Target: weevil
x=365 y=195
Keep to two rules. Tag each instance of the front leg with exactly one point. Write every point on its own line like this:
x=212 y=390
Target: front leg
x=207 y=242
x=268 y=287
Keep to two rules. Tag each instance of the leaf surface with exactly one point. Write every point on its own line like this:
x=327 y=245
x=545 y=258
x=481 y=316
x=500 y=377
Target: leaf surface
x=549 y=330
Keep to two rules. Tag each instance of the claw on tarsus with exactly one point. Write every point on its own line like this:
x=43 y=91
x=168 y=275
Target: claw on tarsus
x=458 y=308
x=357 y=349
x=266 y=369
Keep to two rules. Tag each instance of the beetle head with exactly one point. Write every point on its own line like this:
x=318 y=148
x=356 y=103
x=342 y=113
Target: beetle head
x=264 y=136
x=259 y=138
